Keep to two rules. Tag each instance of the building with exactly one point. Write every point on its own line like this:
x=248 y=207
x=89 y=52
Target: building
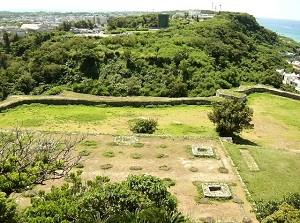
x=35 y=27
x=291 y=79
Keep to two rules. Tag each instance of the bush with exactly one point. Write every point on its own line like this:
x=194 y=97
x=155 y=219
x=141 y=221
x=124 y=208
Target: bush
x=145 y=126
x=109 y=154
x=138 y=145
x=106 y=166
x=54 y=91
x=193 y=169
x=79 y=165
x=85 y=152
x=8 y=209
x=89 y=143
x=135 y=168
x=161 y=155
x=136 y=156
x=165 y=168
x=169 y=182
x=223 y=170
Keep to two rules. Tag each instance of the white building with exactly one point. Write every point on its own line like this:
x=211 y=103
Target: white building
x=35 y=27
x=291 y=79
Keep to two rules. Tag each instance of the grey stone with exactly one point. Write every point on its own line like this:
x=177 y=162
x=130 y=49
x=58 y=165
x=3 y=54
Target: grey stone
x=208 y=220
x=204 y=201
x=237 y=200
x=203 y=151
x=216 y=190
x=246 y=220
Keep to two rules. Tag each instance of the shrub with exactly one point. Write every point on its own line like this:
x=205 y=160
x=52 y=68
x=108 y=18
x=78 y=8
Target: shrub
x=193 y=169
x=79 y=165
x=112 y=144
x=109 y=154
x=161 y=155
x=145 y=126
x=169 y=182
x=89 y=143
x=85 y=152
x=9 y=211
x=138 y=145
x=165 y=168
x=135 y=168
x=106 y=166
x=54 y=91
x=136 y=156
x=223 y=170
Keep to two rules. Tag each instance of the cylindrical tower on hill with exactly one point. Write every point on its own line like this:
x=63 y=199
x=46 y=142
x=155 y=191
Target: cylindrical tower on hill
x=163 y=21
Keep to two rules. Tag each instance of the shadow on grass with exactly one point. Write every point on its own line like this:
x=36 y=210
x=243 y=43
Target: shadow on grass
x=241 y=141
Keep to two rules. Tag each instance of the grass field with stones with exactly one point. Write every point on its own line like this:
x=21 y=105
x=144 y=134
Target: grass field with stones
x=274 y=145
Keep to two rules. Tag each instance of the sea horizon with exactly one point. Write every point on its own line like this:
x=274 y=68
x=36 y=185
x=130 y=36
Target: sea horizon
x=283 y=27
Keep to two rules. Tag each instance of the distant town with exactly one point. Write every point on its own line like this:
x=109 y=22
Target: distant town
x=23 y=22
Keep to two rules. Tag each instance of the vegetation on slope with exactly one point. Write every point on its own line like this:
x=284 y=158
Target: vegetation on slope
x=188 y=59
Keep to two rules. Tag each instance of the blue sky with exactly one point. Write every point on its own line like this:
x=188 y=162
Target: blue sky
x=285 y=9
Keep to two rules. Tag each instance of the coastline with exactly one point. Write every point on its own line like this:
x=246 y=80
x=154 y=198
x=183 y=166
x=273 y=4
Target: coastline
x=283 y=27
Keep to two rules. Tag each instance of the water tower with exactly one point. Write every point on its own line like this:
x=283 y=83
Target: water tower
x=163 y=21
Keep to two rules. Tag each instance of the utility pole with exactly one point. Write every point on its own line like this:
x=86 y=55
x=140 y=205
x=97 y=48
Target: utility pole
x=220 y=7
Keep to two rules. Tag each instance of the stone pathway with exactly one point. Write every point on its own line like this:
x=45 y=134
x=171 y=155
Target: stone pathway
x=252 y=165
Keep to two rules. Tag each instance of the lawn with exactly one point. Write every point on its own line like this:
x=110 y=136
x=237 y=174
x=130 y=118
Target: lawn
x=276 y=121
x=176 y=120
x=278 y=171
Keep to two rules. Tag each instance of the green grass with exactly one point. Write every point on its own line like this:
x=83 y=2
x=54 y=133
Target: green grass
x=282 y=109
x=193 y=119
x=276 y=121
x=278 y=171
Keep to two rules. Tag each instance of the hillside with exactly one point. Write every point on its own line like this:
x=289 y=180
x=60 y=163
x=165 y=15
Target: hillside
x=188 y=59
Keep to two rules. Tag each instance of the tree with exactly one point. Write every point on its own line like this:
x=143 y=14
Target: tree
x=6 y=41
x=28 y=158
x=65 y=26
x=231 y=116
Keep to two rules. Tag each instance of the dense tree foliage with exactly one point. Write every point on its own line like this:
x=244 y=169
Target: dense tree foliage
x=231 y=116
x=98 y=200
x=283 y=211
x=28 y=159
x=8 y=209
x=188 y=59
x=133 y=22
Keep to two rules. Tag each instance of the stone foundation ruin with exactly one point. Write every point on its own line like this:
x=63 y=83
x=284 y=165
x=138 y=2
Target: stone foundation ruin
x=126 y=140
x=216 y=190
x=203 y=151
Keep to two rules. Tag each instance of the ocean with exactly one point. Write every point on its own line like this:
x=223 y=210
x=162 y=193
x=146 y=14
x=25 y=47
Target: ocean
x=283 y=27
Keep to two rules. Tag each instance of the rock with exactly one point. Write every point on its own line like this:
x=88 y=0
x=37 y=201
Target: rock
x=246 y=220
x=208 y=220
x=237 y=200
x=204 y=201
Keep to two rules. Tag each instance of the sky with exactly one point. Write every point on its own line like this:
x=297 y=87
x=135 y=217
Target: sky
x=281 y=9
